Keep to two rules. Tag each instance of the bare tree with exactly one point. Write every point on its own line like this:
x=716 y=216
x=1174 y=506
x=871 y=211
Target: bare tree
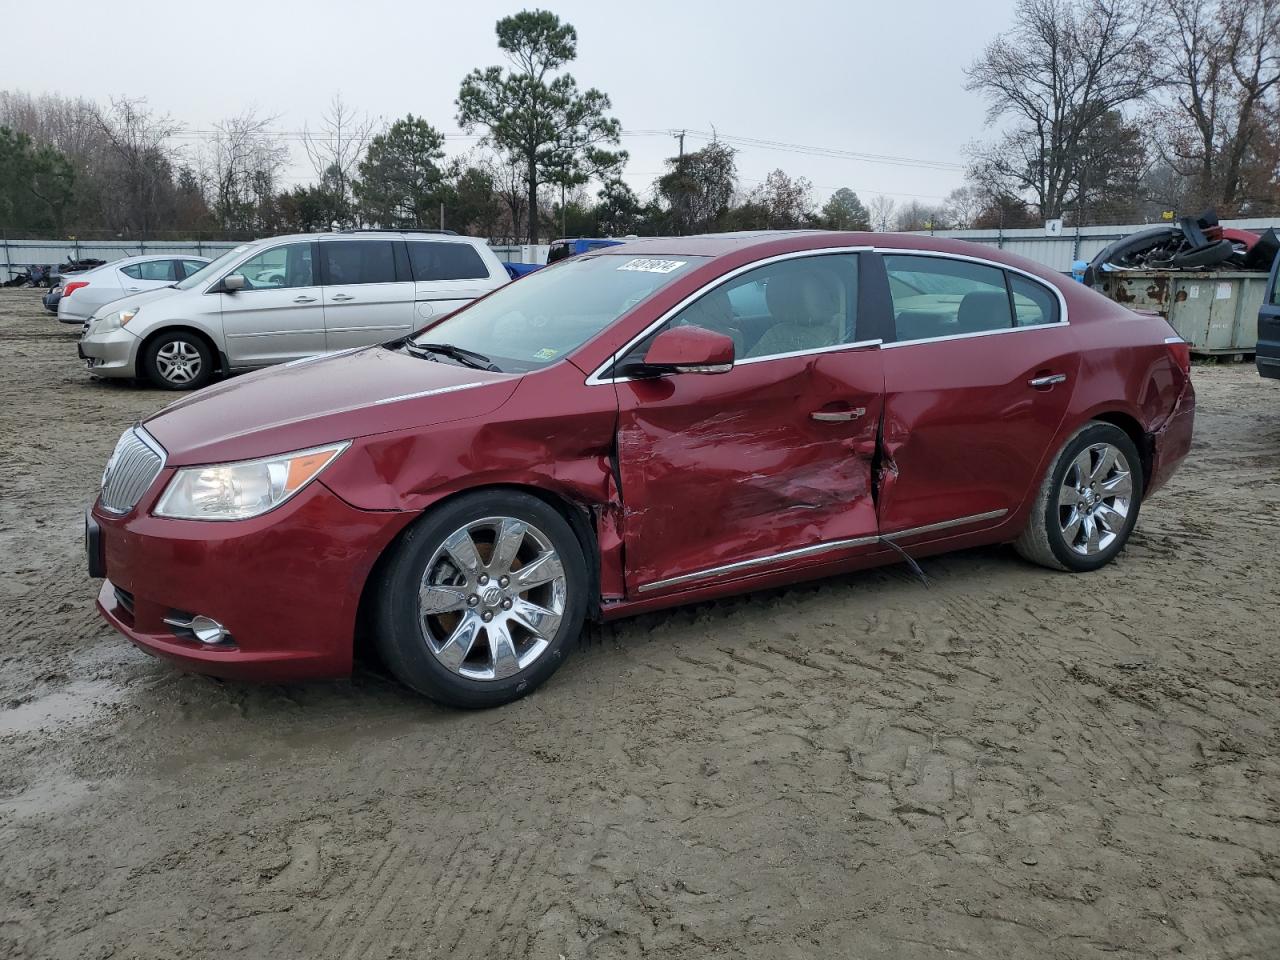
x=1223 y=61
x=881 y=212
x=963 y=205
x=335 y=151
x=507 y=174
x=140 y=164
x=1058 y=74
x=245 y=160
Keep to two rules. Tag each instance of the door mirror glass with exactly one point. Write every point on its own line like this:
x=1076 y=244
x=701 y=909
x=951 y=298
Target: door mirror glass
x=690 y=349
x=233 y=282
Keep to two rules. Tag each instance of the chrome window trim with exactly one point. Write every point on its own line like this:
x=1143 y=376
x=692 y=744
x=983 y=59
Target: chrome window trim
x=597 y=377
x=1063 y=319
x=820 y=548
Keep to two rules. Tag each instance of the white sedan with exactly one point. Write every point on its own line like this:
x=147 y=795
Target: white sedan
x=85 y=292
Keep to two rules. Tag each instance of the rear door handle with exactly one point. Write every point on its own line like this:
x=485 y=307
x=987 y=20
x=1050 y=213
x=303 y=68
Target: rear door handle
x=304 y=299
x=1048 y=381
x=838 y=416
x=341 y=296
x=133 y=289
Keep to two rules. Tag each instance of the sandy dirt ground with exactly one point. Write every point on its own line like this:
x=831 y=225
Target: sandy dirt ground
x=1011 y=763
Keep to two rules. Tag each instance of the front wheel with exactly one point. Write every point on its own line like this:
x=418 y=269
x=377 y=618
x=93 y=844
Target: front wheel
x=482 y=599
x=178 y=361
x=1088 y=503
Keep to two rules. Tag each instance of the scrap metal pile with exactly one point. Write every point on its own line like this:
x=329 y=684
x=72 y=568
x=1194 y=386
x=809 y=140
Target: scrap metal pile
x=1193 y=243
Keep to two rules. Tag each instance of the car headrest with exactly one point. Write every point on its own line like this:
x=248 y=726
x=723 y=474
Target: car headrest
x=980 y=310
x=808 y=299
x=713 y=311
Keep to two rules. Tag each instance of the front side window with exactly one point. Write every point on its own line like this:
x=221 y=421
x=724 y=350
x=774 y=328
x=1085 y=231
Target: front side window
x=440 y=260
x=279 y=268
x=548 y=314
x=358 y=261
x=212 y=270
x=936 y=297
x=793 y=306
x=151 y=270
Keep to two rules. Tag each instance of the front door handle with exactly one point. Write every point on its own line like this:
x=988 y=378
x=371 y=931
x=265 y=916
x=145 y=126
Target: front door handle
x=1047 y=381
x=838 y=416
x=341 y=296
x=304 y=299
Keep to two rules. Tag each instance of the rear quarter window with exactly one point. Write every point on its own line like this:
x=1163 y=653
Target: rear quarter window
x=439 y=260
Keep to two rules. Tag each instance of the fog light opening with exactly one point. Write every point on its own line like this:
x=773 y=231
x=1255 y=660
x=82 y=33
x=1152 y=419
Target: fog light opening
x=199 y=627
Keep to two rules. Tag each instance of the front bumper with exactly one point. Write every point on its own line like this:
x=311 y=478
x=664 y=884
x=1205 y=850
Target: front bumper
x=286 y=585
x=110 y=354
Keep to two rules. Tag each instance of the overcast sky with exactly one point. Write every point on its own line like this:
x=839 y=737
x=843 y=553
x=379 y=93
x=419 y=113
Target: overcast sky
x=864 y=77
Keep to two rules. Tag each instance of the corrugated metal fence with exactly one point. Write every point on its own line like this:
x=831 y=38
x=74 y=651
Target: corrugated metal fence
x=1057 y=253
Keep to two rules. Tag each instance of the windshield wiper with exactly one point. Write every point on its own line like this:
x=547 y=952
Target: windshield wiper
x=468 y=358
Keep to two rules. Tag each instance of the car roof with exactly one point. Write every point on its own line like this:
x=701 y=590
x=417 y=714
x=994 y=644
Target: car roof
x=748 y=245
x=330 y=236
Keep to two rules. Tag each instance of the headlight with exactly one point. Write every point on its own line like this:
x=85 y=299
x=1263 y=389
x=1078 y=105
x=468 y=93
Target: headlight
x=237 y=491
x=114 y=321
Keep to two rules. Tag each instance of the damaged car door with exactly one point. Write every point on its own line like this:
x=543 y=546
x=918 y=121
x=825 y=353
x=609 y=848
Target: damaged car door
x=977 y=382
x=737 y=469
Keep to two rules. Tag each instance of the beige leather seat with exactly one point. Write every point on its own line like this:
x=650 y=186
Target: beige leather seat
x=805 y=306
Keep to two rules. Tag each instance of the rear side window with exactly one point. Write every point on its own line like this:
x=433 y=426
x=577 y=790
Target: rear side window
x=936 y=297
x=151 y=270
x=434 y=260
x=192 y=266
x=1033 y=303
x=358 y=261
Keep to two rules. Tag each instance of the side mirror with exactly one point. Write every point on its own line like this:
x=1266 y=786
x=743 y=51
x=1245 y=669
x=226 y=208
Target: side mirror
x=232 y=282
x=689 y=350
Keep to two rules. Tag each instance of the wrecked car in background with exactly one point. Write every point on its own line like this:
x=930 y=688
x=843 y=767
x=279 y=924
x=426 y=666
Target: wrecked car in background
x=1208 y=281
x=648 y=425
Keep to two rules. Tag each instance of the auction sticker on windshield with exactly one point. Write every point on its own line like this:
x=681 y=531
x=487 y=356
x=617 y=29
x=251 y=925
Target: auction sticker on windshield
x=653 y=266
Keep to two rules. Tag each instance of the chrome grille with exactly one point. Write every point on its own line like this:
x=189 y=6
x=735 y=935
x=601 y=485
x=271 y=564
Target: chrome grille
x=133 y=467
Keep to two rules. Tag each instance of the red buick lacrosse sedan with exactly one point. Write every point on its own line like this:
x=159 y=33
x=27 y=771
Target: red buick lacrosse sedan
x=647 y=425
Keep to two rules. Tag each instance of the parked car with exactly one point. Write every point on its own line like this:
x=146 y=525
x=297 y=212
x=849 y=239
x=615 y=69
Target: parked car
x=86 y=292
x=52 y=298
x=286 y=298
x=1267 y=356
x=573 y=246
x=668 y=421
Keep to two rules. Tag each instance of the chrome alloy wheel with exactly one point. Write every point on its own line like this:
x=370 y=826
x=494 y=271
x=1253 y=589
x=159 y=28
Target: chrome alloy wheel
x=492 y=598
x=1095 y=498
x=178 y=361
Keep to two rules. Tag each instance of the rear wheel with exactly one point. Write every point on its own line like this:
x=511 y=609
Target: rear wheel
x=482 y=600
x=178 y=361
x=1088 y=503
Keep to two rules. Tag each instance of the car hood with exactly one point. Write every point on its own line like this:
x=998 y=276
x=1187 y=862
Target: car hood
x=320 y=400
x=131 y=300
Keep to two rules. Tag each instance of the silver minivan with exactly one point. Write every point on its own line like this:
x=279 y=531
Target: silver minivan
x=282 y=299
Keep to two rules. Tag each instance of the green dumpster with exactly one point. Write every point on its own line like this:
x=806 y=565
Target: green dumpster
x=1214 y=311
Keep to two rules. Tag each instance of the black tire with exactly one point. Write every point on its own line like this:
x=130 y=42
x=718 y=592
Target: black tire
x=401 y=634
x=198 y=367
x=1044 y=540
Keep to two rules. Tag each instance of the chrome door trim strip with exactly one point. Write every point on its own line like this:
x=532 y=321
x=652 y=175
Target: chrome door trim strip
x=817 y=548
x=971 y=336
x=944 y=525
x=597 y=377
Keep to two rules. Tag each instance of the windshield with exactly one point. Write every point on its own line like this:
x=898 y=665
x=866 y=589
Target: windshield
x=209 y=271
x=538 y=319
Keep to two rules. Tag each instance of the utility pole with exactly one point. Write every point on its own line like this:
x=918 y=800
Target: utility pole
x=680 y=136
